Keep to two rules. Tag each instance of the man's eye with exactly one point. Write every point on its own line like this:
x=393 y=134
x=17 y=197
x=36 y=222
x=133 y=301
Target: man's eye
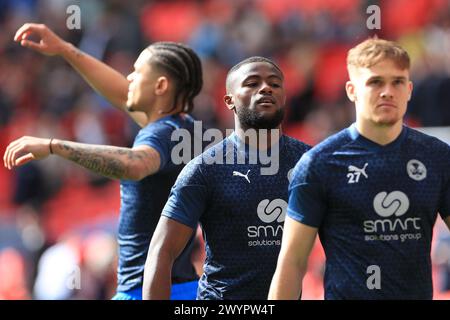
x=251 y=84
x=375 y=82
x=276 y=85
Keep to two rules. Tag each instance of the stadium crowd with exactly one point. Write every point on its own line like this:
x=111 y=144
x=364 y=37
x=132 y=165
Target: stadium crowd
x=58 y=222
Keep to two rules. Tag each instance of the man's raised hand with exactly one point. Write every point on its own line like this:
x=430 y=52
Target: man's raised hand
x=49 y=43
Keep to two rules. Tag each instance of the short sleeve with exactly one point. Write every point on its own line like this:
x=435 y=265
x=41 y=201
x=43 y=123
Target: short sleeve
x=188 y=197
x=156 y=136
x=307 y=201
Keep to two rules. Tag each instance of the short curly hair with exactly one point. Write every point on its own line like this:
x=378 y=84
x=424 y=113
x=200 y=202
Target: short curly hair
x=247 y=61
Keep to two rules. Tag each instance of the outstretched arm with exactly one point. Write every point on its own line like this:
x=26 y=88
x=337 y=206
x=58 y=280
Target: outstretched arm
x=102 y=78
x=169 y=239
x=109 y=161
x=298 y=240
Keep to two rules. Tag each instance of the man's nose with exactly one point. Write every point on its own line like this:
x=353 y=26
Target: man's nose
x=265 y=88
x=387 y=92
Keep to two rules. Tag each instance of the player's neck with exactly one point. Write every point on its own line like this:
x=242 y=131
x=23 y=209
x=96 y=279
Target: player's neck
x=381 y=135
x=158 y=113
x=258 y=139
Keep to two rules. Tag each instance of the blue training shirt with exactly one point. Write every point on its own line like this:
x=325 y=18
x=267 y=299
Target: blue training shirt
x=141 y=205
x=375 y=207
x=241 y=213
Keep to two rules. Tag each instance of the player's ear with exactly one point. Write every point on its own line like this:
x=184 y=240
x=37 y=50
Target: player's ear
x=410 y=87
x=229 y=101
x=351 y=92
x=161 y=85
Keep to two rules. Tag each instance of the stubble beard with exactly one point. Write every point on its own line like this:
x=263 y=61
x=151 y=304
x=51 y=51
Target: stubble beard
x=252 y=119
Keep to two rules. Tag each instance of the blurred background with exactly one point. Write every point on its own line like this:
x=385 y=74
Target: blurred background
x=58 y=221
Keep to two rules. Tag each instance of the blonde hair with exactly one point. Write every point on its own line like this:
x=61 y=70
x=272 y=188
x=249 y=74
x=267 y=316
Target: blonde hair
x=373 y=50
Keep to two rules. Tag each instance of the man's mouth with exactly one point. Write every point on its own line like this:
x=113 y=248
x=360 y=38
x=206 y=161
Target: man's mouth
x=266 y=100
x=386 y=104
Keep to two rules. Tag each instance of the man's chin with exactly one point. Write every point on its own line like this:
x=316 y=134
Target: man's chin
x=387 y=121
x=266 y=122
x=130 y=108
x=260 y=119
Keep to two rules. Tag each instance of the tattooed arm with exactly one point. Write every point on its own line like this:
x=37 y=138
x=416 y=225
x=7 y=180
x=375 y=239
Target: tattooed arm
x=109 y=161
x=101 y=77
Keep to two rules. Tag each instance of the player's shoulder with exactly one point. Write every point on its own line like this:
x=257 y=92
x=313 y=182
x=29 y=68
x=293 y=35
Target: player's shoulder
x=169 y=124
x=216 y=151
x=296 y=145
x=425 y=142
x=204 y=166
x=316 y=157
x=212 y=155
x=330 y=145
x=193 y=168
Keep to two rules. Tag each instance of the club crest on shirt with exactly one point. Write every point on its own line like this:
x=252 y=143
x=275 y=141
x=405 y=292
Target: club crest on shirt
x=416 y=170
